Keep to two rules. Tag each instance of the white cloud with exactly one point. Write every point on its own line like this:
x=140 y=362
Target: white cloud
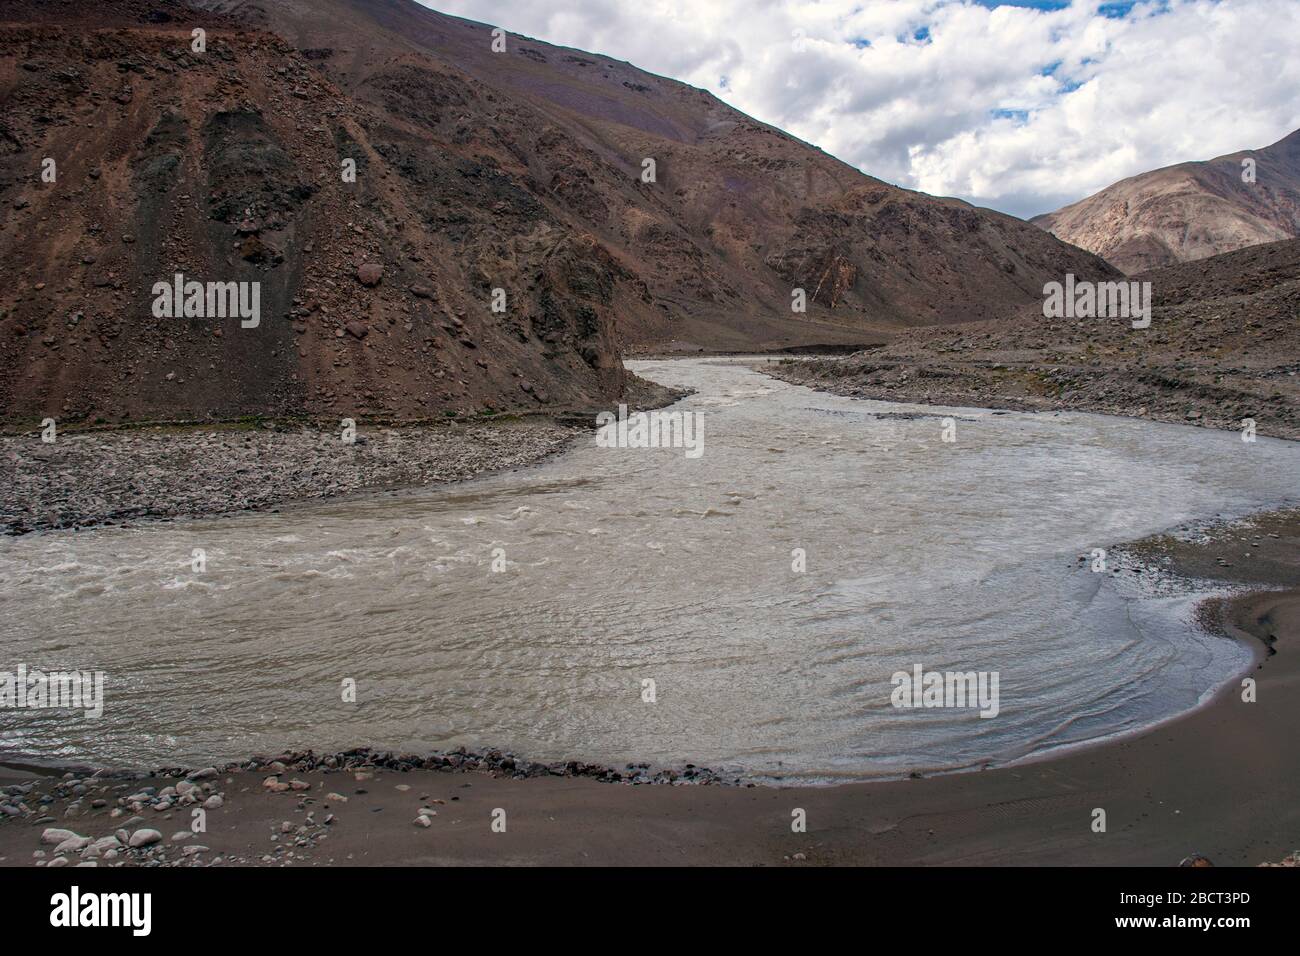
x=969 y=110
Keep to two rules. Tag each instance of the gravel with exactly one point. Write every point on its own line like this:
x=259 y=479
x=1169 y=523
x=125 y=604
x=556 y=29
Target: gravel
x=161 y=473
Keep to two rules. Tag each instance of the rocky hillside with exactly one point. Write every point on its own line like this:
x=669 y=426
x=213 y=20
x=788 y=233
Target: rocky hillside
x=739 y=215
x=475 y=171
x=227 y=165
x=1189 y=211
x=1223 y=346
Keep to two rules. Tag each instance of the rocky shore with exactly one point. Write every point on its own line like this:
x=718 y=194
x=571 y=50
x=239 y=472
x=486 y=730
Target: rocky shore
x=1222 y=348
x=1002 y=382
x=121 y=476
x=166 y=472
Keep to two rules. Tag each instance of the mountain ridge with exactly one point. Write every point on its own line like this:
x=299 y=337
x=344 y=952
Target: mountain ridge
x=1189 y=210
x=476 y=171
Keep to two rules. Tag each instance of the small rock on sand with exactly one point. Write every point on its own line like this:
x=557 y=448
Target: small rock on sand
x=145 y=838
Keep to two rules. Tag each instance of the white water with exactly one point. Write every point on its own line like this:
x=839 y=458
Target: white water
x=627 y=564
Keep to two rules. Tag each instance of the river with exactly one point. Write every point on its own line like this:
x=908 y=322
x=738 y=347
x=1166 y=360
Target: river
x=627 y=565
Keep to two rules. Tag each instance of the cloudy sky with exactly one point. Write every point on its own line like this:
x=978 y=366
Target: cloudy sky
x=1022 y=106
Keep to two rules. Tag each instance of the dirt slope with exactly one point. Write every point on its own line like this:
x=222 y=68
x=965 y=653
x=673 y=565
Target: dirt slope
x=227 y=166
x=740 y=213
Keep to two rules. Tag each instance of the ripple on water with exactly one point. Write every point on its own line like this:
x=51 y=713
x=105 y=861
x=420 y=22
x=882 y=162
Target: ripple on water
x=622 y=566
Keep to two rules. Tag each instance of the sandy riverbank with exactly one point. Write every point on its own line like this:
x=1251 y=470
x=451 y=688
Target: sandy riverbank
x=1220 y=781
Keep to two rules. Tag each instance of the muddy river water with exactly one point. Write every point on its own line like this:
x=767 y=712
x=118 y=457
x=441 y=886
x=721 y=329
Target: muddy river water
x=529 y=610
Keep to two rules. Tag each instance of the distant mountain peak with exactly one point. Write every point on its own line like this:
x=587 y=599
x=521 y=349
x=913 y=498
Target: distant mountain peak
x=1188 y=211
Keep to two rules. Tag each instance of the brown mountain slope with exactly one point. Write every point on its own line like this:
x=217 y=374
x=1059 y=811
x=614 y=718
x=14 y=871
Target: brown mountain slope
x=227 y=166
x=1223 y=346
x=475 y=171
x=741 y=213
x=1189 y=211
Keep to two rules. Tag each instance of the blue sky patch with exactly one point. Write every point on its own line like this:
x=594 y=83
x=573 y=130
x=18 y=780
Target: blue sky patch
x=1115 y=10
x=1032 y=4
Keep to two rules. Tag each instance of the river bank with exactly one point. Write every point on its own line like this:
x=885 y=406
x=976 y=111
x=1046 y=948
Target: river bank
x=1013 y=381
x=124 y=476
x=1218 y=782
x=160 y=473
x=1221 y=349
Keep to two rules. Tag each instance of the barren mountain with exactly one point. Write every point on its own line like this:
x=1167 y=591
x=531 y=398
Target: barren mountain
x=475 y=171
x=227 y=165
x=1189 y=211
x=1223 y=346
